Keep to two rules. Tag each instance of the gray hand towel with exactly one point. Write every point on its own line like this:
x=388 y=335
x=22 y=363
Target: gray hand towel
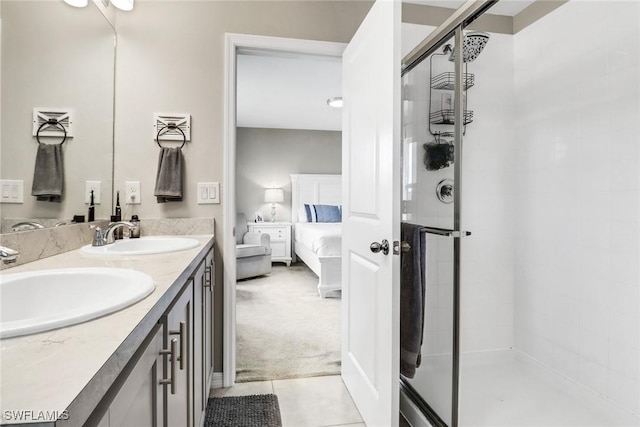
x=412 y=298
x=48 y=175
x=169 y=176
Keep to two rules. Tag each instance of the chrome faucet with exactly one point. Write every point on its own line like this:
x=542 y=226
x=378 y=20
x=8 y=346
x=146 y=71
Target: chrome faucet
x=105 y=237
x=26 y=225
x=8 y=255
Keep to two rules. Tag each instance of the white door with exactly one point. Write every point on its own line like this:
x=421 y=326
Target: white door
x=371 y=207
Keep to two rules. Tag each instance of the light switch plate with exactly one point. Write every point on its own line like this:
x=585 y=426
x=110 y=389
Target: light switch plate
x=132 y=193
x=208 y=193
x=96 y=186
x=11 y=191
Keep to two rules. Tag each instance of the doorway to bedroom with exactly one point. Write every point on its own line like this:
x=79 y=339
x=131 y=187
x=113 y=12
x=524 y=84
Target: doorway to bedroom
x=288 y=162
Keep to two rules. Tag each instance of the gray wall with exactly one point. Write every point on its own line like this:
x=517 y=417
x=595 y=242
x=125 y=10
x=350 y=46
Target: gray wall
x=57 y=56
x=266 y=158
x=170 y=58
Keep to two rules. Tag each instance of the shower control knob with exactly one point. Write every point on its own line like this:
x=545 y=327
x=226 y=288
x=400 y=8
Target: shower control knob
x=377 y=247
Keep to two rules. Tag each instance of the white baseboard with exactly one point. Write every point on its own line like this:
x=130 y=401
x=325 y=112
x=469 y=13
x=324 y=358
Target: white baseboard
x=217 y=380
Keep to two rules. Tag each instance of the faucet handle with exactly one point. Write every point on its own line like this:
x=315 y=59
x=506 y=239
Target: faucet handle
x=8 y=255
x=98 y=236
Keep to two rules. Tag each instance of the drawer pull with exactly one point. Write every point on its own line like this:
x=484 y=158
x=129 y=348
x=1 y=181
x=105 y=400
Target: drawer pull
x=207 y=277
x=172 y=352
x=183 y=343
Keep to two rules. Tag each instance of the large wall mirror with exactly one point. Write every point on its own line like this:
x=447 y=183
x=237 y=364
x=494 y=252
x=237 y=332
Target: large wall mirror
x=56 y=56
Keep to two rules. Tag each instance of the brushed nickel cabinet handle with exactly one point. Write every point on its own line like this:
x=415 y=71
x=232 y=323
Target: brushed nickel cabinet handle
x=207 y=277
x=172 y=352
x=183 y=342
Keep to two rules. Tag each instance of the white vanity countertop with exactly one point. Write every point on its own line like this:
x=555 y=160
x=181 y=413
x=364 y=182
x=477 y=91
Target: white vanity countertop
x=73 y=367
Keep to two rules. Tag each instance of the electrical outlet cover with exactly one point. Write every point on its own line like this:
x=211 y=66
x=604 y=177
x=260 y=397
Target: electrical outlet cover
x=96 y=186
x=132 y=193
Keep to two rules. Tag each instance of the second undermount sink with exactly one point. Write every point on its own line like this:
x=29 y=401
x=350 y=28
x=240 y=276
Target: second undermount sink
x=142 y=246
x=42 y=300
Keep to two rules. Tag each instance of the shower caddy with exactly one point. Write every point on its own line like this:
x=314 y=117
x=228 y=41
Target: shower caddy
x=440 y=153
x=445 y=83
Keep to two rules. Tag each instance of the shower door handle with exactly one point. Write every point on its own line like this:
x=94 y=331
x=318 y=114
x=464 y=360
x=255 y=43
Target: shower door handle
x=377 y=247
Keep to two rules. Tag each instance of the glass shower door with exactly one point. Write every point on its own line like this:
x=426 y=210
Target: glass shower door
x=428 y=200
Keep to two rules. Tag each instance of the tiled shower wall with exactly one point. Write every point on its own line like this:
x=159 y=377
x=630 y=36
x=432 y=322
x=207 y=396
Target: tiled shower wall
x=488 y=184
x=577 y=222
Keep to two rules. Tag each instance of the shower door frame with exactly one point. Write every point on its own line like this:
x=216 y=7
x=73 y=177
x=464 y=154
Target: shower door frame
x=453 y=26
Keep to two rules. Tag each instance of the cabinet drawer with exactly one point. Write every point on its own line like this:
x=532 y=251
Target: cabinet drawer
x=275 y=232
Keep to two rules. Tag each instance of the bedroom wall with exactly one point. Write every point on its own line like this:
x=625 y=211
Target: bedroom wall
x=266 y=158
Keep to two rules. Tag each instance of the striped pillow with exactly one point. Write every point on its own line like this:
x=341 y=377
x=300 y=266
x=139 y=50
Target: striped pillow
x=323 y=213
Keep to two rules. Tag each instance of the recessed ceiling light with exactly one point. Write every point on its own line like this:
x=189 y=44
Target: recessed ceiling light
x=123 y=4
x=77 y=3
x=335 y=102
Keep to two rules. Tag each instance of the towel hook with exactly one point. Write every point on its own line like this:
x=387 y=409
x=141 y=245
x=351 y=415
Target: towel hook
x=52 y=122
x=171 y=126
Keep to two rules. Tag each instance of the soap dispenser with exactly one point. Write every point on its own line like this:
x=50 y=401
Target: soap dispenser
x=92 y=209
x=134 y=233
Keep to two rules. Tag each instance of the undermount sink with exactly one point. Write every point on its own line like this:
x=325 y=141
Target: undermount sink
x=142 y=246
x=48 y=299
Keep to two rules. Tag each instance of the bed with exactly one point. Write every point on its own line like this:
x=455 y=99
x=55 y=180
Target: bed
x=318 y=245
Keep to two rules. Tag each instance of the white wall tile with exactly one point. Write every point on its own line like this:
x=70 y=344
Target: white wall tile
x=580 y=132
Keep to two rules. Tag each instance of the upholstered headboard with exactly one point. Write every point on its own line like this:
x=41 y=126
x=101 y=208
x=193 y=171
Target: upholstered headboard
x=314 y=189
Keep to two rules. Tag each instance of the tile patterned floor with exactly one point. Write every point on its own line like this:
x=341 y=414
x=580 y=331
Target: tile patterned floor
x=306 y=402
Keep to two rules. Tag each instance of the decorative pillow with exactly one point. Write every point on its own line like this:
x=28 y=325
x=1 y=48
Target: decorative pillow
x=323 y=213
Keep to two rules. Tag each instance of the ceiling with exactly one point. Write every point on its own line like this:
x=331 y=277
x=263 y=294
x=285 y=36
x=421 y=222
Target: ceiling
x=503 y=7
x=288 y=91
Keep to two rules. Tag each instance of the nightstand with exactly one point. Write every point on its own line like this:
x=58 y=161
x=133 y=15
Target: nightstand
x=280 y=233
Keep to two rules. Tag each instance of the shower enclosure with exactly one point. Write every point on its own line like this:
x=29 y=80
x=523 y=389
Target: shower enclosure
x=521 y=163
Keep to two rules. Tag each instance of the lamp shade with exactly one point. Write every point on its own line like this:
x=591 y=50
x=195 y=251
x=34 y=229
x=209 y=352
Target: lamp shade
x=274 y=195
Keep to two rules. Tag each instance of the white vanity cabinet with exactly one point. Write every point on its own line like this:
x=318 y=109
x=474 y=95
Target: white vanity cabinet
x=167 y=382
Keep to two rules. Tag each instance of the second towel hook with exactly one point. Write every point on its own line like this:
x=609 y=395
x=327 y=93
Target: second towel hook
x=171 y=126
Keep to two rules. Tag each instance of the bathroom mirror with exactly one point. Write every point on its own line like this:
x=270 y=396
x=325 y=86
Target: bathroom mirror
x=57 y=57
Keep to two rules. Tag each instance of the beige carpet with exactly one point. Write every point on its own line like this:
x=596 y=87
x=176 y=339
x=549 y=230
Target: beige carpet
x=284 y=329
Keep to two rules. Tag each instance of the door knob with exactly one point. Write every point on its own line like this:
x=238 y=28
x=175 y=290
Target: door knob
x=377 y=247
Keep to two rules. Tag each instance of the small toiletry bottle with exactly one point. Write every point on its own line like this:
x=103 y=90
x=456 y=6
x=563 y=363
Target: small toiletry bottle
x=92 y=209
x=134 y=233
x=119 y=232
x=118 y=212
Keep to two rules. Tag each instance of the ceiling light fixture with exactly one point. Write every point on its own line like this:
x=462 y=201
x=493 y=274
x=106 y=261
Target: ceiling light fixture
x=125 y=5
x=77 y=3
x=335 y=102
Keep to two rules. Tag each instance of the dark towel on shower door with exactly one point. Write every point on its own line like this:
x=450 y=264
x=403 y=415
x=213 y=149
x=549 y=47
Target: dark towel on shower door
x=169 y=176
x=412 y=298
x=48 y=174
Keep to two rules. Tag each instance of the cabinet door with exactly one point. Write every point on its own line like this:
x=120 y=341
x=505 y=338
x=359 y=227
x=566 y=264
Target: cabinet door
x=210 y=284
x=278 y=249
x=198 y=342
x=139 y=400
x=178 y=320
x=203 y=336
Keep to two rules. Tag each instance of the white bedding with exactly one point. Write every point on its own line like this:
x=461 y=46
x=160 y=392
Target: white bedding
x=323 y=238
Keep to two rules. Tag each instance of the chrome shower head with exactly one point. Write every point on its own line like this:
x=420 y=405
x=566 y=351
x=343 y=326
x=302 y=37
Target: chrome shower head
x=474 y=42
